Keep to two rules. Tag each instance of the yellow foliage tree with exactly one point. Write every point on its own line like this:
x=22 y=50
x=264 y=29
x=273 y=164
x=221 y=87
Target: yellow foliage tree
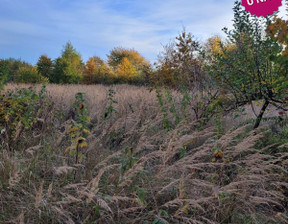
x=118 y=53
x=127 y=71
x=215 y=46
x=128 y=64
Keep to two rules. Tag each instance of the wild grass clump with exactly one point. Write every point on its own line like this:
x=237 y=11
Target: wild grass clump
x=153 y=161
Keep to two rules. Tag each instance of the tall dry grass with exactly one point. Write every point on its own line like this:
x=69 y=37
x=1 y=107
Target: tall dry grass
x=136 y=171
x=96 y=96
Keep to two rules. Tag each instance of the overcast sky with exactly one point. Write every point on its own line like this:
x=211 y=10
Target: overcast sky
x=30 y=28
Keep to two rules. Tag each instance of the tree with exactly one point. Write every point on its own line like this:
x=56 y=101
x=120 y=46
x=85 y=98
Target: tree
x=179 y=63
x=45 y=66
x=127 y=71
x=250 y=70
x=128 y=64
x=4 y=72
x=68 y=67
x=30 y=74
x=117 y=54
x=12 y=67
x=214 y=46
x=96 y=71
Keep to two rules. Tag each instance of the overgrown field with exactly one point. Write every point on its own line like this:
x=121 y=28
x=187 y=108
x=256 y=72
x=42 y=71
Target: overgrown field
x=128 y=154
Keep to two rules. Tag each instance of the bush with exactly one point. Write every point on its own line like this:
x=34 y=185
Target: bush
x=30 y=75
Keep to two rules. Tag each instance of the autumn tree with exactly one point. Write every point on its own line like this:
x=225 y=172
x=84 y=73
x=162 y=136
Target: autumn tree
x=214 y=46
x=179 y=64
x=166 y=73
x=278 y=31
x=96 y=71
x=249 y=70
x=128 y=64
x=127 y=71
x=45 y=66
x=68 y=67
x=210 y=47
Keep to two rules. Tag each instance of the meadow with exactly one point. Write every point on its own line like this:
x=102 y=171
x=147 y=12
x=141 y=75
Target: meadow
x=130 y=154
x=199 y=136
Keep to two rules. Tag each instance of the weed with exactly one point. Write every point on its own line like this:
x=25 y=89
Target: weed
x=79 y=130
x=167 y=107
x=129 y=160
x=185 y=102
x=111 y=110
x=20 y=110
x=165 y=121
x=172 y=108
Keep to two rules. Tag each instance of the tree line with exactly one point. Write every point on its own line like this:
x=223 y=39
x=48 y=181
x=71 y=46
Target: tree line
x=122 y=66
x=180 y=62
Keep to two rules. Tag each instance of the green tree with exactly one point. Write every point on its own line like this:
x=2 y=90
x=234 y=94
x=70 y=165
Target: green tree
x=12 y=67
x=45 y=66
x=249 y=70
x=4 y=72
x=69 y=67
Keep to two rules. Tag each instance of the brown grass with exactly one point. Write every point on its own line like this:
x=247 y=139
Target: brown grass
x=135 y=171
